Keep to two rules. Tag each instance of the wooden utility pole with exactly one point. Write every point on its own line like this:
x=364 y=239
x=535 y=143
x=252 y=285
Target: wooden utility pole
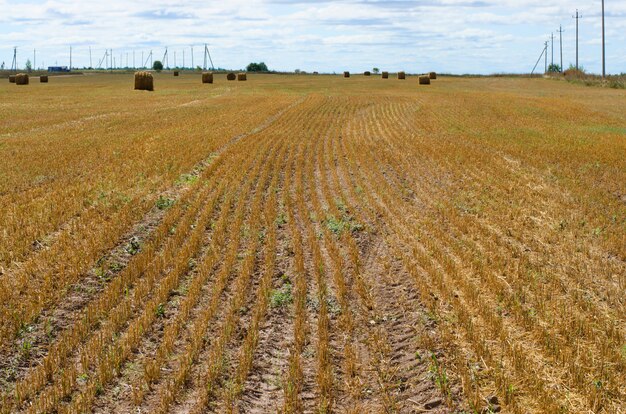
x=546 y=58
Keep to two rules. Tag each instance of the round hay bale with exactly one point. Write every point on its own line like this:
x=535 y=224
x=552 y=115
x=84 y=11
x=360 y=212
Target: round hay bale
x=316 y=73
x=207 y=77
x=21 y=79
x=367 y=73
x=346 y=74
x=432 y=75
x=231 y=76
x=176 y=73
x=11 y=78
x=144 y=81
x=43 y=79
x=425 y=80
x=401 y=75
x=385 y=75
x=242 y=77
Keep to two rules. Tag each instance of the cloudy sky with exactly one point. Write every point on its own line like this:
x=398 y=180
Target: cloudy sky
x=459 y=36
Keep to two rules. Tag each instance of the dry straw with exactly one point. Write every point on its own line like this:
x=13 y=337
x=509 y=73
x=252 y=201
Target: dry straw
x=144 y=81
x=242 y=77
x=43 y=79
x=231 y=76
x=346 y=74
x=385 y=75
x=432 y=75
x=401 y=75
x=21 y=79
x=11 y=78
x=207 y=77
x=425 y=80
x=367 y=73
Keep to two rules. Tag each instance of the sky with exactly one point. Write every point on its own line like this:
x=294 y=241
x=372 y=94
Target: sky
x=447 y=36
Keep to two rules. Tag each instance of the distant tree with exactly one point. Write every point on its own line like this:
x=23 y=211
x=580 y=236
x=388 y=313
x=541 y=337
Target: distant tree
x=297 y=71
x=29 y=66
x=257 y=67
x=376 y=70
x=198 y=68
x=2 y=67
x=157 y=65
x=554 y=68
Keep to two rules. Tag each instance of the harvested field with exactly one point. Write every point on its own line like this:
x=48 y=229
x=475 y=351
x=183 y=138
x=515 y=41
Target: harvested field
x=306 y=244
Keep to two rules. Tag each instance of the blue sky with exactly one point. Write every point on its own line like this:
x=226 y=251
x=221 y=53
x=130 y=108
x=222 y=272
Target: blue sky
x=459 y=36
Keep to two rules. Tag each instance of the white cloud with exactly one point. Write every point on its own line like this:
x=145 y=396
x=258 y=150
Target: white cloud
x=444 y=35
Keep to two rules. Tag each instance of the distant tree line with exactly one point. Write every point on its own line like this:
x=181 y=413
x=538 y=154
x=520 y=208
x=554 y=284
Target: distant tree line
x=257 y=67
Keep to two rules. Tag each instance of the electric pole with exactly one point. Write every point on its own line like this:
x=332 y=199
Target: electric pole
x=14 y=63
x=546 y=57
x=133 y=59
x=90 y=64
x=552 y=49
x=577 y=17
x=70 y=58
x=35 y=59
x=183 y=58
x=561 y=44
x=192 y=66
x=603 y=45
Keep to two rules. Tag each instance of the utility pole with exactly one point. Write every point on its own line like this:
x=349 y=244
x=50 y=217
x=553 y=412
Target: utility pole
x=133 y=59
x=174 y=59
x=561 y=44
x=543 y=51
x=577 y=17
x=90 y=64
x=14 y=63
x=70 y=58
x=552 y=49
x=192 y=66
x=35 y=59
x=143 y=65
x=183 y=58
x=603 y=45
x=112 y=61
x=546 y=54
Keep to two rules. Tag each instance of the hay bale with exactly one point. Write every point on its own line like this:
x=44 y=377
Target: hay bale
x=43 y=79
x=231 y=76
x=367 y=73
x=316 y=73
x=242 y=77
x=207 y=77
x=425 y=80
x=432 y=75
x=401 y=75
x=144 y=81
x=21 y=79
x=346 y=74
x=385 y=75
x=176 y=73
x=11 y=78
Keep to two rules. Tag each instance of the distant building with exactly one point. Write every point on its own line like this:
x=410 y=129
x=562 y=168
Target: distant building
x=58 y=69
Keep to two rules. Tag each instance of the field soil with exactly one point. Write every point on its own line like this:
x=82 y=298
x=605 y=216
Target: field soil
x=312 y=244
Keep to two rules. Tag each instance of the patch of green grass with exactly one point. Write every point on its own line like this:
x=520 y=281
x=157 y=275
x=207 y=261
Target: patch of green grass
x=281 y=298
x=187 y=179
x=164 y=203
